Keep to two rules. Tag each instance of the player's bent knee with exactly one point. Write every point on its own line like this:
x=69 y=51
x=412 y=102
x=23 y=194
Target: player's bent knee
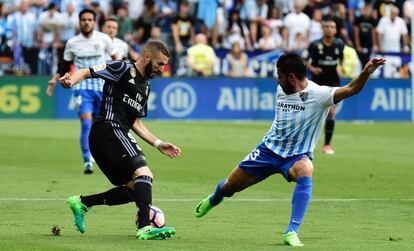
x=142 y=171
x=302 y=167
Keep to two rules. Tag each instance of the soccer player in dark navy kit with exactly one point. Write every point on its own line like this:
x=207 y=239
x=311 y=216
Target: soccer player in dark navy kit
x=116 y=152
x=324 y=55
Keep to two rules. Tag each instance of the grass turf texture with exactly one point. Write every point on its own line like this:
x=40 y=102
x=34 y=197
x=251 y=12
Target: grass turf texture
x=362 y=195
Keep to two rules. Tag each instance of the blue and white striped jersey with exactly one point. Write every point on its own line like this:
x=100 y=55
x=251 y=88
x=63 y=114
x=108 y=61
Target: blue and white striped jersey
x=299 y=119
x=86 y=52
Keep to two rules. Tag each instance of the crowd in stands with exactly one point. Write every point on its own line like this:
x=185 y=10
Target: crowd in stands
x=33 y=32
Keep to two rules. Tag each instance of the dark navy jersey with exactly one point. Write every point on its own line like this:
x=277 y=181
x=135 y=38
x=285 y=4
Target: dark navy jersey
x=326 y=57
x=125 y=93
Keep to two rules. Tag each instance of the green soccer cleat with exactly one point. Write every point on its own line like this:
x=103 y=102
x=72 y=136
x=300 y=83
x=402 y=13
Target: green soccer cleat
x=203 y=207
x=79 y=210
x=291 y=238
x=151 y=233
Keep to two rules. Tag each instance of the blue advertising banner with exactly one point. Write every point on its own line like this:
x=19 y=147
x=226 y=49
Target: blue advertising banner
x=248 y=98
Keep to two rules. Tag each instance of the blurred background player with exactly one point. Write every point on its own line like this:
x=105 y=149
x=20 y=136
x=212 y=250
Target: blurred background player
x=86 y=49
x=323 y=61
x=115 y=150
x=301 y=108
x=123 y=50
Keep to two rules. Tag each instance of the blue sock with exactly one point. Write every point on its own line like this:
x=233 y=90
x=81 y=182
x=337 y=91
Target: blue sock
x=300 y=202
x=218 y=195
x=84 y=141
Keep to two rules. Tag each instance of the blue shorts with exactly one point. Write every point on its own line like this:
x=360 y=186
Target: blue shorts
x=87 y=101
x=263 y=162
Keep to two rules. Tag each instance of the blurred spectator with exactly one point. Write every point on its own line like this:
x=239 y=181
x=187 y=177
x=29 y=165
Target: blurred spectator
x=183 y=31
x=77 y=4
x=167 y=10
x=315 y=30
x=390 y=30
x=267 y=42
x=144 y=24
x=408 y=13
x=274 y=22
x=364 y=34
x=284 y=34
x=237 y=31
x=350 y=63
x=24 y=26
x=135 y=8
x=285 y=6
x=235 y=63
x=100 y=14
x=125 y=24
x=354 y=9
x=49 y=25
x=68 y=27
x=6 y=35
x=201 y=57
x=340 y=20
x=207 y=13
x=297 y=22
x=256 y=14
x=155 y=33
x=383 y=8
x=299 y=44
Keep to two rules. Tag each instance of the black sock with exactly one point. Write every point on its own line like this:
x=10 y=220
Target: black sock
x=329 y=128
x=115 y=196
x=143 y=199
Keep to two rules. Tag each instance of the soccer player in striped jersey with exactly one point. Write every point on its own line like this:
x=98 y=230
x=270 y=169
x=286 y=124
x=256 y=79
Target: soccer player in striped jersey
x=110 y=27
x=300 y=112
x=87 y=49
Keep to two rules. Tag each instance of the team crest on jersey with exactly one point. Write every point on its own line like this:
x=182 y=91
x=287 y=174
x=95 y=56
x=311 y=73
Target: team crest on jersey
x=99 y=67
x=303 y=96
x=133 y=72
x=96 y=46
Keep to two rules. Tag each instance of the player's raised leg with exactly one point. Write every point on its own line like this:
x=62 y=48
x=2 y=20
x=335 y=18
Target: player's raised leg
x=302 y=173
x=236 y=182
x=142 y=185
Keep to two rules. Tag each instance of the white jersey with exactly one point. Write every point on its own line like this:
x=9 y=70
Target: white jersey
x=299 y=119
x=86 y=52
x=120 y=48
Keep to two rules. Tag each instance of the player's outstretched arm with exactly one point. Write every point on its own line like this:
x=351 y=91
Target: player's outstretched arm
x=166 y=148
x=68 y=80
x=358 y=83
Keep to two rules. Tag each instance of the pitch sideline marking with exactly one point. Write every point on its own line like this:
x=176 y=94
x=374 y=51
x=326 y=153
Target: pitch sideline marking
x=235 y=200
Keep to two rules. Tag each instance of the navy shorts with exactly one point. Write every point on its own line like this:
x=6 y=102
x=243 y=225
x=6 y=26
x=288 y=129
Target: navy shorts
x=263 y=162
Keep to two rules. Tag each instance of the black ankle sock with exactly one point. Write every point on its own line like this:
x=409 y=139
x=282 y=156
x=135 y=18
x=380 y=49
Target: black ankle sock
x=115 y=196
x=143 y=199
x=329 y=128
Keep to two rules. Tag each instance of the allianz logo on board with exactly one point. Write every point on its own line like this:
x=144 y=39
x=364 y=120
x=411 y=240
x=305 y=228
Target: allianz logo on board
x=179 y=99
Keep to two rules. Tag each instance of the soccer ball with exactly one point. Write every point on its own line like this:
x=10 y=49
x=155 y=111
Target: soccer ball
x=156 y=217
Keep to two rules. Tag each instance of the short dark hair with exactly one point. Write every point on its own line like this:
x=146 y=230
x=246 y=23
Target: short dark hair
x=156 y=46
x=87 y=11
x=111 y=19
x=292 y=63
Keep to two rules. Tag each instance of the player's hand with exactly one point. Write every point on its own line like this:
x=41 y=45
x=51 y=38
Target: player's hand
x=169 y=149
x=373 y=64
x=316 y=70
x=50 y=87
x=66 y=81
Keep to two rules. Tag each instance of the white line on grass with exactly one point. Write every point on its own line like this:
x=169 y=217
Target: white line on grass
x=236 y=200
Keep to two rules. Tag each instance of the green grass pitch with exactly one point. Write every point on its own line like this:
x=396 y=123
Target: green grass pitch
x=362 y=198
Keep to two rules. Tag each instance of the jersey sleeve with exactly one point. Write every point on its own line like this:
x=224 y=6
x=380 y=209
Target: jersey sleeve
x=68 y=53
x=325 y=95
x=112 y=71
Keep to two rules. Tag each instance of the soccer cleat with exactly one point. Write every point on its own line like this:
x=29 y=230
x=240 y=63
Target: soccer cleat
x=327 y=149
x=88 y=168
x=79 y=210
x=203 y=207
x=151 y=233
x=291 y=238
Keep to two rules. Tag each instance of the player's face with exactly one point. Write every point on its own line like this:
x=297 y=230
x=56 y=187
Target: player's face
x=329 y=29
x=86 y=23
x=155 y=66
x=110 y=28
